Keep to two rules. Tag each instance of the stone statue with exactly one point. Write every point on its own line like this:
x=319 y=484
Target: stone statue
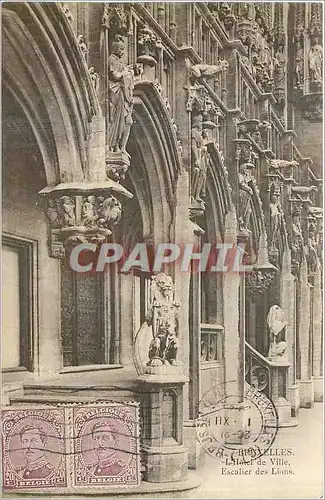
x=110 y=211
x=67 y=211
x=245 y=179
x=200 y=139
x=196 y=149
x=276 y=325
x=312 y=255
x=275 y=219
x=89 y=211
x=82 y=46
x=279 y=69
x=163 y=317
x=299 y=67
x=67 y=12
x=208 y=70
x=297 y=245
x=52 y=213
x=95 y=78
x=315 y=58
x=121 y=83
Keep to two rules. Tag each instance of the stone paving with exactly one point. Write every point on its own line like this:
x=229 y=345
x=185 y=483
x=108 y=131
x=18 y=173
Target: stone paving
x=306 y=465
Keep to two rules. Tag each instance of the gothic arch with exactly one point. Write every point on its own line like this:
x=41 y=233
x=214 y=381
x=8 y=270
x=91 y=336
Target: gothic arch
x=155 y=162
x=44 y=70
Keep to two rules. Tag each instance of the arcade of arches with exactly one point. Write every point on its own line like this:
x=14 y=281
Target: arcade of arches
x=163 y=123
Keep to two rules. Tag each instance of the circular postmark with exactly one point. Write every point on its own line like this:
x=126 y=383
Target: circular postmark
x=236 y=428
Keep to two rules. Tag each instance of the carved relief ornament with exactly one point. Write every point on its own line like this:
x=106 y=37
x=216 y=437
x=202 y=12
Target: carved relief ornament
x=81 y=214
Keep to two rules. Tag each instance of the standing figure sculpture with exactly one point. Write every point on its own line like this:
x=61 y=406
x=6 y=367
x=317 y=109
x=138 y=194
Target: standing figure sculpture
x=196 y=149
x=200 y=139
x=276 y=221
x=121 y=84
x=245 y=181
x=163 y=317
x=316 y=63
x=277 y=324
x=297 y=245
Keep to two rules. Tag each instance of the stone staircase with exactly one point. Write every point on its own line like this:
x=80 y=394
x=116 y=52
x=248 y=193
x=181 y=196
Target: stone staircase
x=77 y=388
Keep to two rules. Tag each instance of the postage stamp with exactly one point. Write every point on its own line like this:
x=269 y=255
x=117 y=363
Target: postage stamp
x=33 y=448
x=234 y=429
x=106 y=445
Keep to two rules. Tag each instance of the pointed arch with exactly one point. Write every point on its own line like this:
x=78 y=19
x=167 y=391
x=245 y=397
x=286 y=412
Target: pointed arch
x=45 y=71
x=155 y=163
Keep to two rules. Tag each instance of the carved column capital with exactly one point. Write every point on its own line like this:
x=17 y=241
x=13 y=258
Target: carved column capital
x=82 y=213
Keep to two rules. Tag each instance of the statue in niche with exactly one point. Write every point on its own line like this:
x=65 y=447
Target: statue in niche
x=297 y=246
x=299 y=67
x=279 y=68
x=83 y=46
x=163 y=317
x=95 y=78
x=245 y=180
x=277 y=328
x=312 y=255
x=276 y=220
x=315 y=58
x=196 y=149
x=121 y=84
x=200 y=139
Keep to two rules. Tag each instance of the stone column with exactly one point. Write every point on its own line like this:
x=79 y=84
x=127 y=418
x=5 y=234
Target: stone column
x=287 y=302
x=234 y=340
x=306 y=381
x=317 y=337
x=189 y=351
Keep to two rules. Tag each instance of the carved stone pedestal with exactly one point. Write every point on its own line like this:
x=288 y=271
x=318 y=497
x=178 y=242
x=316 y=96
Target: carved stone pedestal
x=279 y=391
x=163 y=454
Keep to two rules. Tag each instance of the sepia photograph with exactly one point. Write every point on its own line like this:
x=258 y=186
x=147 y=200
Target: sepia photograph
x=162 y=250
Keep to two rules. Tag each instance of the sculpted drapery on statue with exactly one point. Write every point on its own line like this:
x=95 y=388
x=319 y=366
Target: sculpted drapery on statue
x=199 y=158
x=121 y=84
x=316 y=63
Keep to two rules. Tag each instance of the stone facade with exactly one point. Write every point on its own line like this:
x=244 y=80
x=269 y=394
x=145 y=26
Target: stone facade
x=184 y=123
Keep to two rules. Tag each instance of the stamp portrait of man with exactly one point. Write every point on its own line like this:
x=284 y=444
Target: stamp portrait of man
x=33 y=443
x=105 y=445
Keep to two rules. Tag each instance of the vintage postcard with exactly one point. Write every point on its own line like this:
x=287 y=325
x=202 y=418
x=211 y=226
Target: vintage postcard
x=162 y=249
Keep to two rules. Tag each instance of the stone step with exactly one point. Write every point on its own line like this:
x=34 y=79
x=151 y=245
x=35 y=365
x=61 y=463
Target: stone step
x=65 y=398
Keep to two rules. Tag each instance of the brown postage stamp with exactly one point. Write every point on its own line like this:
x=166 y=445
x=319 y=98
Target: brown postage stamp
x=33 y=448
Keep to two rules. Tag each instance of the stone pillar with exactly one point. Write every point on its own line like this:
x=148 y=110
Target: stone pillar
x=306 y=381
x=189 y=329
x=317 y=337
x=287 y=302
x=234 y=340
x=164 y=456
